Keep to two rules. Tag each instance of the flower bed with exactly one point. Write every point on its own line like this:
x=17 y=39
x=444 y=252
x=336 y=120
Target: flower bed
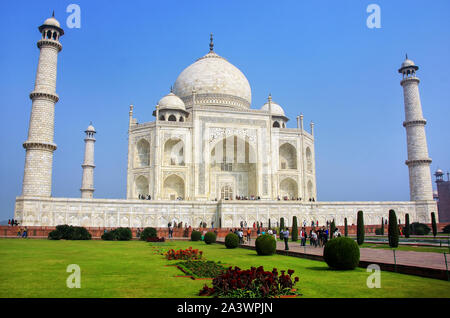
x=187 y=254
x=156 y=239
x=252 y=283
x=201 y=269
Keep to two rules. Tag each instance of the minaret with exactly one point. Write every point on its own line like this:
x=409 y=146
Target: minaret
x=37 y=178
x=87 y=182
x=418 y=162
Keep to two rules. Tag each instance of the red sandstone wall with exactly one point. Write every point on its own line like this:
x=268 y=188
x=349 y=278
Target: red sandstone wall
x=96 y=232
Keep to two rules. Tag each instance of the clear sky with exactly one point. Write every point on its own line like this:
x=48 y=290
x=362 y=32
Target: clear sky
x=315 y=57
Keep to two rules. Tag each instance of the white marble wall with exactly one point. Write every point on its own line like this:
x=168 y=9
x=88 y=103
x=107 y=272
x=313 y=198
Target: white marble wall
x=34 y=211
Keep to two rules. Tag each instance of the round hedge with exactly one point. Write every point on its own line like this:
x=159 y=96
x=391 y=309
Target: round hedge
x=265 y=244
x=341 y=253
x=196 y=236
x=148 y=232
x=210 y=238
x=231 y=240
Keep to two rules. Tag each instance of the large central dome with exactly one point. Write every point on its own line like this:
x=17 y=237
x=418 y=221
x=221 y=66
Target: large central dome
x=215 y=81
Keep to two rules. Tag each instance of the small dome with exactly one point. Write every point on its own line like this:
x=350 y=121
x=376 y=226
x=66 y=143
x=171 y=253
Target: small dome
x=52 y=21
x=277 y=110
x=407 y=63
x=171 y=101
x=439 y=172
x=90 y=128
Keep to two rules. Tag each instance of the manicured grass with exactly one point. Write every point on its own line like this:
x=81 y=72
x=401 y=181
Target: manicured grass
x=410 y=248
x=37 y=268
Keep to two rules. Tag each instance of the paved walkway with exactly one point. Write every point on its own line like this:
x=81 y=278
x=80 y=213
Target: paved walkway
x=410 y=258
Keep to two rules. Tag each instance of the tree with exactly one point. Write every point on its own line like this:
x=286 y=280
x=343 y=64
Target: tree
x=332 y=229
x=269 y=225
x=294 y=229
x=407 y=226
x=433 y=224
x=360 y=228
x=281 y=223
x=393 y=229
x=382 y=226
x=345 y=227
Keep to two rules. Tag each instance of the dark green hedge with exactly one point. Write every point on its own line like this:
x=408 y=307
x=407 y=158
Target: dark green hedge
x=341 y=253
x=265 y=244
x=148 y=232
x=119 y=234
x=360 y=228
x=393 y=233
x=231 y=240
x=210 y=238
x=69 y=232
x=196 y=236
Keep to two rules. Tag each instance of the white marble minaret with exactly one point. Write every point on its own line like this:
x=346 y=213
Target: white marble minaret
x=37 y=178
x=87 y=182
x=418 y=162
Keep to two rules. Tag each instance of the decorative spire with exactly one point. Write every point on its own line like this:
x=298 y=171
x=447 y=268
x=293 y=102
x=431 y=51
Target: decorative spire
x=406 y=55
x=270 y=97
x=53 y=14
x=211 y=43
x=171 y=88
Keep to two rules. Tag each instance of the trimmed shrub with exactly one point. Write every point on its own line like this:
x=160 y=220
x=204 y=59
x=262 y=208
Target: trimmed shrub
x=123 y=234
x=148 y=232
x=210 y=238
x=294 y=229
x=265 y=244
x=231 y=240
x=119 y=234
x=196 y=236
x=69 y=232
x=382 y=227
x=360 y=228
x=345 y=227
x=109 y=236
x=341 y=253
x=406 y=229
x=417 y=228
x=446 y=229
x=270 y=226
x=54 y=235
x=281 y=223
x=433 y=224
x=378 y=231
x=393 y=229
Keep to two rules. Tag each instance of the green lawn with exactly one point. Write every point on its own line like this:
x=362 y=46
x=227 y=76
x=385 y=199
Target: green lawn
x=37 y=268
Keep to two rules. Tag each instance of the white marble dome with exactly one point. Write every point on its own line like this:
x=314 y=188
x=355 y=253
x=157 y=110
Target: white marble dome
x=216 y=82
x=52 y=21
x=276 y=109
x=171 y=101
x=407 y=63
x=90 y=128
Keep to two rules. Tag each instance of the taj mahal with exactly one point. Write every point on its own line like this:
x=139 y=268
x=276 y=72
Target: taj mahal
x=208 y=155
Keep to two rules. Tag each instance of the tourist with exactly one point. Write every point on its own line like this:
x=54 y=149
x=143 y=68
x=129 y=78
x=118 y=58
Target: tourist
x=249 y=235
x=19 y=232
x=138 y=233
x=12 y=222
x=302 y=237
x=25 y=233
x=286 y=238
x=241 y=236
x=9 y=222
x=274 y=232
x=258 y=232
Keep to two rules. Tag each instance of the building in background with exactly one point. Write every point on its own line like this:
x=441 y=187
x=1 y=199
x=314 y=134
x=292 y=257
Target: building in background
x=442 y=196
x=208 y=157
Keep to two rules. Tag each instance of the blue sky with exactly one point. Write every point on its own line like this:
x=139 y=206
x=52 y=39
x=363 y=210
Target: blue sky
x=315 y=57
